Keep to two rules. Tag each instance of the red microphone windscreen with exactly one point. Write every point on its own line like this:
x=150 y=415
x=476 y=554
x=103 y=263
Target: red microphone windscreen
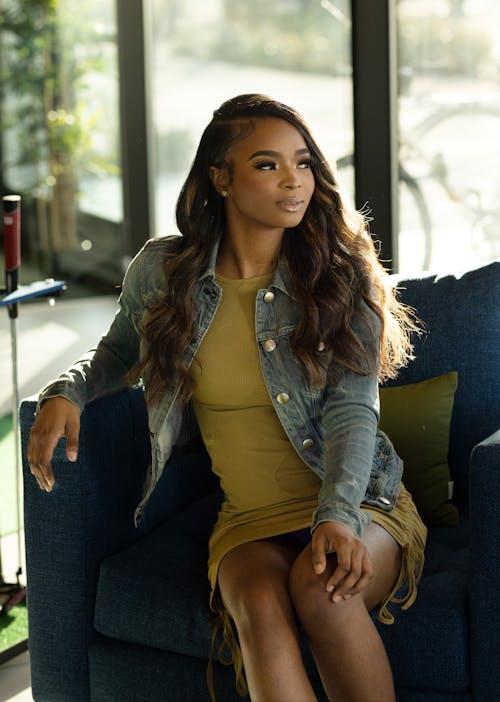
x=12 y=231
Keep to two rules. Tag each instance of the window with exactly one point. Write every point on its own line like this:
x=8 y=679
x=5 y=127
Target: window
x=449 y=121
x=60 y=137
x=204 y=53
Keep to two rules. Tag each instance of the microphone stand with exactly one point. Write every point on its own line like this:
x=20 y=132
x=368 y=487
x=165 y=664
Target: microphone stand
x=13 y=593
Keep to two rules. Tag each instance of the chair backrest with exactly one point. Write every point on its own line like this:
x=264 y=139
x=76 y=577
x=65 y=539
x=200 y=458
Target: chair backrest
x=462 y=316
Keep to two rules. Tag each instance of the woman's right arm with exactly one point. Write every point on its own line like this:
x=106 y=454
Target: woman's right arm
x=100 y=372
x=57 y=418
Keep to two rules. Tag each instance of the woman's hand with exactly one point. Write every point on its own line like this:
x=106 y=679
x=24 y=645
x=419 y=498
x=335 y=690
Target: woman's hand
x=353 y=570
x=57 y=418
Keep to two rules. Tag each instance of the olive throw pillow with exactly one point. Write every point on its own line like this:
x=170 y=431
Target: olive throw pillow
x=417 y=419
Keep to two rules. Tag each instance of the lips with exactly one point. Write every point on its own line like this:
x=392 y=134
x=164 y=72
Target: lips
x=290 y=204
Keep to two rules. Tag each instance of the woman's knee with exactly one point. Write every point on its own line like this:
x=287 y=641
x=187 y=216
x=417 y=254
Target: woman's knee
x=255 y=590
x=313 y=603
x=253 y=601
x=307 y=589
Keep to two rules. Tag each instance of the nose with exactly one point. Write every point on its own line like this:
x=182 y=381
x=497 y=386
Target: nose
x=291 y=180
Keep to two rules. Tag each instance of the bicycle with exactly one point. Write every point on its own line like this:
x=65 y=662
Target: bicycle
x=433 y=155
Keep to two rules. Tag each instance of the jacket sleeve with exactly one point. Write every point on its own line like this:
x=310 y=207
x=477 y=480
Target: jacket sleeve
x=102 y=370
x=351 y=412
x=350 y=419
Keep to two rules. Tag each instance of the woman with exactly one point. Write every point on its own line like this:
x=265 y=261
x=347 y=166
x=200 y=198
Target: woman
x=271 y=319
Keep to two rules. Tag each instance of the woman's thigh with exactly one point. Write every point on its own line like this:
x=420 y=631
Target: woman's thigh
x=385 y=555
x=253 y=578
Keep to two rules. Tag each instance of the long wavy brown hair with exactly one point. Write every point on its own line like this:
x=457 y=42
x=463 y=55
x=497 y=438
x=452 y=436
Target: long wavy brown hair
x=330 y=260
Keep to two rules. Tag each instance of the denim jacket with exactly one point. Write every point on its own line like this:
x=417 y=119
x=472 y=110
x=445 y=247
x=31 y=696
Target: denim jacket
x=334 y=429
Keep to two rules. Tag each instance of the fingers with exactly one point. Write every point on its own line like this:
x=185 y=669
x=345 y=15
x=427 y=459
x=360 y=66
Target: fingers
x=353 y=569
x=348 y=581
x=319 y=551
x=346 y=571
x=72 y=436
x=57 y=418
x=44 y=478
x=40 y=449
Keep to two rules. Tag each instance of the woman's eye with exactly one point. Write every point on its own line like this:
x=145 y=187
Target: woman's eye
x=265 y=166
x=305 y=164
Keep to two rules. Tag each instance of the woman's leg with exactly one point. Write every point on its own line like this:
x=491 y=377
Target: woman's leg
x=253 y=581
x=347 y=648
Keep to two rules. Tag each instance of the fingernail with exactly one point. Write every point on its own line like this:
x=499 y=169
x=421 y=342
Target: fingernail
x=337 y=598
x=72 y=455
x=347 y=597
x=330 y=588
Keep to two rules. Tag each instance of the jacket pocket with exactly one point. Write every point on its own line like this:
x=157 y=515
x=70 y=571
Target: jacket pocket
x=385 y=477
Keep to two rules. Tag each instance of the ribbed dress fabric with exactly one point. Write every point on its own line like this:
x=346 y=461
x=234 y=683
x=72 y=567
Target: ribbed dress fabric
x=268 y=488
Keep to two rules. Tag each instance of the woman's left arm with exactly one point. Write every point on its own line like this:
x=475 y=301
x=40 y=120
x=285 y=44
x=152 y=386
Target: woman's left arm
x=350 y=419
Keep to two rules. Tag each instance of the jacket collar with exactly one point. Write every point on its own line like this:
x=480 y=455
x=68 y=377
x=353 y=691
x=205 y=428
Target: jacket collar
x=279 y=280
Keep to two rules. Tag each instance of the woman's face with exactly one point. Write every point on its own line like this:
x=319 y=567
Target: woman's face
x=270 y=182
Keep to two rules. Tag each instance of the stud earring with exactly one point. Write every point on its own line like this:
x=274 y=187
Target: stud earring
x=223 y=193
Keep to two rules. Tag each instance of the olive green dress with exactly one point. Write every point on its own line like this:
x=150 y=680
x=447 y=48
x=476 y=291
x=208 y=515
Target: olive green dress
x=268 y=489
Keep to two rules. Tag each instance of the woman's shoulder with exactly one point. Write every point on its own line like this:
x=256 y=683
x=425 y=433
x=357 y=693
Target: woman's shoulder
x=145 y=272
x=152 y=255
x=161 y=246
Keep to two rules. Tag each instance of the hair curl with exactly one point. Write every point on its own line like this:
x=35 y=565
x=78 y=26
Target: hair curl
x=330 y=258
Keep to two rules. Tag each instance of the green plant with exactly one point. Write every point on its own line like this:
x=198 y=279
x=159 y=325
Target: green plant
x=47 y=119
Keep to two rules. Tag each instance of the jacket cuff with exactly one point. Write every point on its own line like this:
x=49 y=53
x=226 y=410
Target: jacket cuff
x=60 y=388
x=355 y=519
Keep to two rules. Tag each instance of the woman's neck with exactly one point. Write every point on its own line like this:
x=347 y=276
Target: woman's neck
x=248 y=256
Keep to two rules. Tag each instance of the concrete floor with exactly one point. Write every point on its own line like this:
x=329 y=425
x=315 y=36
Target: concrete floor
x=15 y=679
x=49 y=339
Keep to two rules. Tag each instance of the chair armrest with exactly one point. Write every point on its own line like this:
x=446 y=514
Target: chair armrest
x=87 y=516
x=485 y=566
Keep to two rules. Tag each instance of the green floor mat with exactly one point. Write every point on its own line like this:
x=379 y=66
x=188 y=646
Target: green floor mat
x=8 y=512
x=13 y=630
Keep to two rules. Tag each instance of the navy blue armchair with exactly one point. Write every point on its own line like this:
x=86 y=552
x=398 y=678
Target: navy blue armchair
x=118 y=614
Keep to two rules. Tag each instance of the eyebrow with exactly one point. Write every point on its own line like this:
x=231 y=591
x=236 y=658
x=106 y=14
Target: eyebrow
x=276 y=154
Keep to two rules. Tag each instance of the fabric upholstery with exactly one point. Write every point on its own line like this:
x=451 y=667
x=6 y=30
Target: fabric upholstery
x=149 y=638
x=462 y=319
x=172 y=613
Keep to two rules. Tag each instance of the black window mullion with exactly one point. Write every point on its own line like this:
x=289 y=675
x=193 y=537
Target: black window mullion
x=136 y=174
x=374 y=60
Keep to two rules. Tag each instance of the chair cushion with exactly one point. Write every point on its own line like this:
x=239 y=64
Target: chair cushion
x=462 y=316
x=417 y=419
x=428 y=644
x=156 y=594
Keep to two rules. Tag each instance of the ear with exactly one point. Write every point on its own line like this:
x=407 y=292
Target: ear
x=219 y=178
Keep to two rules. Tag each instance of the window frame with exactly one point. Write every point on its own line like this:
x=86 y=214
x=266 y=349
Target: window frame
x=374 y=61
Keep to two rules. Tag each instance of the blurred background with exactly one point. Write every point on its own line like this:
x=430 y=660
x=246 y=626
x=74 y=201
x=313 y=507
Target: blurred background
x=102 y=104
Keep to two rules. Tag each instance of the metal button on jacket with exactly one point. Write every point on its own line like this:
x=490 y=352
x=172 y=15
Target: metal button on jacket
x=321 y=346
x=383 y=500
x=307 y=443
x=282 y=398
x=269 y=344
x=269 y=296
